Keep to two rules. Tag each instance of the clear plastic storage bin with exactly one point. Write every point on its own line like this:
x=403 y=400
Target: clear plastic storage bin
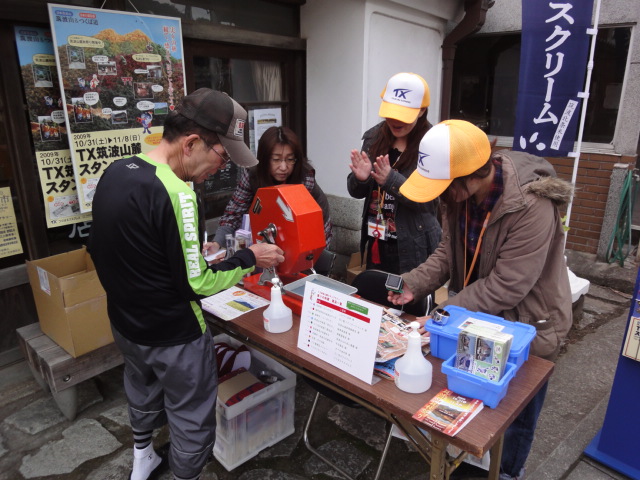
x=258 y=421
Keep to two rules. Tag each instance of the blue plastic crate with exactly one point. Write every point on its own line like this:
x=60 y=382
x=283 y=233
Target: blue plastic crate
x=470 y=385
x=444 y=338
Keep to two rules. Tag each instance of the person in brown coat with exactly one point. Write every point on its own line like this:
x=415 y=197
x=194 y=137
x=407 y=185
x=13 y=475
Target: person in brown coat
x=502 y=249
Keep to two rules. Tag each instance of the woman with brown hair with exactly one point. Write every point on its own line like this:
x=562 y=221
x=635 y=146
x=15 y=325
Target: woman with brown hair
x=281 y=161
x=398 y=234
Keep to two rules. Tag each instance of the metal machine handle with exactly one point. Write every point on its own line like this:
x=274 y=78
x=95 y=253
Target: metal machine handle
x=270 y=274
x=269 y=234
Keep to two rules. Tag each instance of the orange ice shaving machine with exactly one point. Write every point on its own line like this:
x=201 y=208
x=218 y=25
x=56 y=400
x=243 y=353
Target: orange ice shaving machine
x=288 y=216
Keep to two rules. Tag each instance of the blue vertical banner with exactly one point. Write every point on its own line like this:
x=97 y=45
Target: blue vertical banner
x=553 y=66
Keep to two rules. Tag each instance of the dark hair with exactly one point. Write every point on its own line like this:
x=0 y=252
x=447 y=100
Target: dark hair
x=176 y=126
x=272 y=137
x=384 y=139
x=461 y=182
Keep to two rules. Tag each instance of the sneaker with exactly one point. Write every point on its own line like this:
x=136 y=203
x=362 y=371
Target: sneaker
x=504 y=476
x=148 y=463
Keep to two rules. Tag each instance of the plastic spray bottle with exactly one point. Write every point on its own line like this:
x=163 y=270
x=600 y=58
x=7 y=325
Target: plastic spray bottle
x=230 y=244
x=277 y=317
x=413 y=372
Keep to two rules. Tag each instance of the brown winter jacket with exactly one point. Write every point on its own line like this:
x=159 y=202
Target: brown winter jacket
x=522 y=275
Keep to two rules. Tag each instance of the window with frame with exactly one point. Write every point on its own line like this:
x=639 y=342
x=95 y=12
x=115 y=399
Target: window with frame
x=486 y=74
x=265 y=16
x=258 y=79
x=249 y=82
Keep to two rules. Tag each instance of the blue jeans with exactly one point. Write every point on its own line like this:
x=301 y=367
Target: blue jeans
x=519 y=435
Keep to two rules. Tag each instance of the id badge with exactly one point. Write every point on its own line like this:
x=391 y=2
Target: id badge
x=379 y=227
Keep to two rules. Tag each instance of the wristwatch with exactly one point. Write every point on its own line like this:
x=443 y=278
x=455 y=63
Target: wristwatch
x=440 y=316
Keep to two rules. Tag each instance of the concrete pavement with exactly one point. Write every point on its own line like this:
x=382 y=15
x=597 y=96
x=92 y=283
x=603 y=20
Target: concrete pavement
x=37 y=442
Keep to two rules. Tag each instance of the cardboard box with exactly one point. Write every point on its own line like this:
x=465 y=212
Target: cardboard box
x=234 y=385
x=355 y=266
x=71 y=303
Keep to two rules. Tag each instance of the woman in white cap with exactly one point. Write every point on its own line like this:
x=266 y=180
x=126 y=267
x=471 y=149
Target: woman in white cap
x=397 y=233
x=502 y=250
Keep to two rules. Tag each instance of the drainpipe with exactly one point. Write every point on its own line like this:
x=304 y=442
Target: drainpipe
x=474 y=17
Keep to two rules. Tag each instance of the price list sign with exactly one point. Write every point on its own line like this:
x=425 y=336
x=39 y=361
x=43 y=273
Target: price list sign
x=340 y=329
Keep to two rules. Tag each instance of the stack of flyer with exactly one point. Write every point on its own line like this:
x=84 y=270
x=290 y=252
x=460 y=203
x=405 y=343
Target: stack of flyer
x=483 y=351
x=392 y=344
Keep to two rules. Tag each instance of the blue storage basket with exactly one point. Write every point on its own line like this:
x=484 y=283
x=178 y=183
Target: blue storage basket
x=444 y=338
x=470 y=385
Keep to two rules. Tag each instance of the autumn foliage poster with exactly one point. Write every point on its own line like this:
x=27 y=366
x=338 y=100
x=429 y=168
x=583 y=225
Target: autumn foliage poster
x=48 y=126
x=120 y=75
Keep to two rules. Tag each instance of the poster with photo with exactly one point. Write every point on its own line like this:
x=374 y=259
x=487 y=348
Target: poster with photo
x=9 y=237
x=260 y=119
x=48 y=126
x=120 y=73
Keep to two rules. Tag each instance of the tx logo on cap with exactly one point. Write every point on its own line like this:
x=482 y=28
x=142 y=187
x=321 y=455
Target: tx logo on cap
x=401 y=92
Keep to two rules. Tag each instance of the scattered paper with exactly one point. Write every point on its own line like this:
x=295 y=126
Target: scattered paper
x=232 y=303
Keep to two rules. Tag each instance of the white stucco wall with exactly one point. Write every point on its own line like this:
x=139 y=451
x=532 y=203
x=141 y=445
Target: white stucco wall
x=353 y=47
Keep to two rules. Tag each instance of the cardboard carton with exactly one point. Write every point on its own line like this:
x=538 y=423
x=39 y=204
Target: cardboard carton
x=71 y=303
x=355 y=266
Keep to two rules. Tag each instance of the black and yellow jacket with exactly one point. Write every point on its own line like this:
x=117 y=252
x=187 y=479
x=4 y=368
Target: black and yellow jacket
x=145 y=243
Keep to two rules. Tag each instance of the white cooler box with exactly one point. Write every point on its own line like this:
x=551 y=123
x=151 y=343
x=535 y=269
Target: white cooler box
x=259 y=420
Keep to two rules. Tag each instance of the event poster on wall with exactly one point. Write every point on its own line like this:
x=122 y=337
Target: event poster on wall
x=9 y=237
x=260 y=120
x=48 y=126
x=120 y=74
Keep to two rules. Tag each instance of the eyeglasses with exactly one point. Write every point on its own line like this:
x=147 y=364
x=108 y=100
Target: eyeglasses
x=226 y=158
x=288 y=160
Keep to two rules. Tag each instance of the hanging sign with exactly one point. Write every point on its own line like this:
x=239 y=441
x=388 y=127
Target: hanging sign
x=261 y=119
x=9 y=237
x=553 y=64
x=48 y=126
x=120 y=74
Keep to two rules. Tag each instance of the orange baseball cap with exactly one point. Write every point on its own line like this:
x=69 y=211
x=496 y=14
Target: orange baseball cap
x=450 y=149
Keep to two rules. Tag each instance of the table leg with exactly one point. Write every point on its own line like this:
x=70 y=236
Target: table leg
x=496 y=457
x=438 y=469
x=67 y=401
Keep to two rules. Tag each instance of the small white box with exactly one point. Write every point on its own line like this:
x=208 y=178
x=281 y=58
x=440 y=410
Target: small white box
x=261 y=419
